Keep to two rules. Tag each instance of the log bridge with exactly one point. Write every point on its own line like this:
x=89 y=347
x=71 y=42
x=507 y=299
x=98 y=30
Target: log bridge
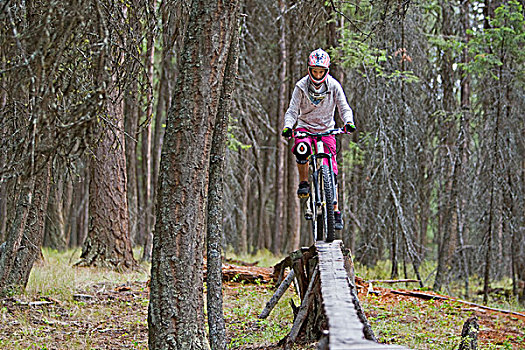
x=330 y=312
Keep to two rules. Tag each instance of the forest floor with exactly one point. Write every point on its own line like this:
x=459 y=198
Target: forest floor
x=72 y=308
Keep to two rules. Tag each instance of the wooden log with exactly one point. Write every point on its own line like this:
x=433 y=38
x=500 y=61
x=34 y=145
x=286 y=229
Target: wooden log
x=394 y=281
x=278 y=269
x=330 y=312
x=368 y=332
x=469 y=335
x=277 y=295
x=303 y=310
x=250 y=274
x=440 y=297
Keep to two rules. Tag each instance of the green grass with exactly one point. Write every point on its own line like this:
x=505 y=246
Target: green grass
x=454 y=289
x=118 y=319
x=70 y=324
x=56 y=277
x=242 y=307
x=436 y=325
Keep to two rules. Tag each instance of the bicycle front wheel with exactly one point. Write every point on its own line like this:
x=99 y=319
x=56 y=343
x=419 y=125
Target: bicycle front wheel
x=328 y=221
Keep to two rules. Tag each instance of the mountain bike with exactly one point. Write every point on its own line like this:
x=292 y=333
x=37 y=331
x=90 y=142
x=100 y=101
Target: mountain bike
x=323 y=192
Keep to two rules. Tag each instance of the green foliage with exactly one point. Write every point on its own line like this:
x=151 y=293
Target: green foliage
x=357 y=52
x=500 y=44
x=232 y=142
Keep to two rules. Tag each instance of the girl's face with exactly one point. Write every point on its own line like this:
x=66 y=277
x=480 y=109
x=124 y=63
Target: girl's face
x=318 y=72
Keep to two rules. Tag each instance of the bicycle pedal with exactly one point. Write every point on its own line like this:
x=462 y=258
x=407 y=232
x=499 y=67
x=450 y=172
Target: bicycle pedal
x=303 y=196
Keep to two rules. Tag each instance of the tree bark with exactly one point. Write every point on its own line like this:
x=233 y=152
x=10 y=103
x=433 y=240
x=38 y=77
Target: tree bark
x=55 y=227
x=131 y=116
x=26 y=235
x=448 y=214
x=469 y=335
x=216 y=324
x=175 y=313
x=147 y=198
x=280 y=149
x=108 y=242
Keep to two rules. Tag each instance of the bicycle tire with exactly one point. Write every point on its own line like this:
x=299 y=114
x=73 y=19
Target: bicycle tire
x=320 y=226
x=318 y=218
x=328 y=210
x=311 y=203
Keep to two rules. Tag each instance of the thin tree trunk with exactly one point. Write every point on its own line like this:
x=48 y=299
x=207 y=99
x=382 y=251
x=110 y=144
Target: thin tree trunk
x=280 y=149
x=242 y=247
x=147 y=175
x=175 y=313
x=131 y=127
x=55 y=227
x=3 y=210
x=448 y=213
x=216 y=324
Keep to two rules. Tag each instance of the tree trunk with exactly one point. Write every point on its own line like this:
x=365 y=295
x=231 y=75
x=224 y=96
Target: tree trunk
x=108 y=242
x=242 y=246
x=280 y=156
x=146 y=202
x=170 y=37
x=79 y=220
x=217 y=327
x=448 y=214
x=469 y=335
x=3 y=210
x=175 y=314
x=131 y=115
x=55 y=228
x=26 y=235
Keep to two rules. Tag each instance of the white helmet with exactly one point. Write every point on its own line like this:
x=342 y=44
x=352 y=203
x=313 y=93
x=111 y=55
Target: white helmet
x=318 y=59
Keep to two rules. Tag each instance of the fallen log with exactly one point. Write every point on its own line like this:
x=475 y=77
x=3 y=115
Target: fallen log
x=250 y=274
x=394 y=281
x=440 y=297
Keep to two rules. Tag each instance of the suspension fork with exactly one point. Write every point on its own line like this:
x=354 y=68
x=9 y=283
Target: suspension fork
x=332 y=179
x=315 y=180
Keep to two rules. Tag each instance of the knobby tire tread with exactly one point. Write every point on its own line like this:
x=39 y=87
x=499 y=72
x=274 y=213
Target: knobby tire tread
x=327 y=194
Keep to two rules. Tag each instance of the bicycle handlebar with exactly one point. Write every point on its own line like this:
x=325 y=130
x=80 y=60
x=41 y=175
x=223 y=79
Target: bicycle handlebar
x=337 y=131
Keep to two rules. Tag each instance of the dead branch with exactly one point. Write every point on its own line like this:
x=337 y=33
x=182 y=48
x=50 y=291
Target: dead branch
x=303 y=310
x=277 y=295
x=439 y=297
x=394 y=281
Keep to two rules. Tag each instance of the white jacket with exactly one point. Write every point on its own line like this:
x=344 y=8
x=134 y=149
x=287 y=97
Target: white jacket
x=320 y=117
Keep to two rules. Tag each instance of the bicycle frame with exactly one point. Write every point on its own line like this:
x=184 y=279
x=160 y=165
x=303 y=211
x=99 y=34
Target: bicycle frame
x=317 y=156
x=316 y=208
x=316 y=160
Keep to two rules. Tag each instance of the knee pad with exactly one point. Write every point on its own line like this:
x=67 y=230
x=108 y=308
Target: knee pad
x=302 y=151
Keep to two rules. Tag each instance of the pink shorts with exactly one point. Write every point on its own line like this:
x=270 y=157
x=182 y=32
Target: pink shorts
x=329 y=142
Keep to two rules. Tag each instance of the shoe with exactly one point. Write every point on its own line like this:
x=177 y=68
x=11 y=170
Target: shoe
x=304 y=189
x=338 y=219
